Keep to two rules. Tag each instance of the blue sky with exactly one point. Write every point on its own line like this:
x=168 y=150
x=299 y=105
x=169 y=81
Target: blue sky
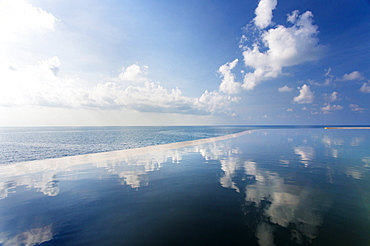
x=184 y=62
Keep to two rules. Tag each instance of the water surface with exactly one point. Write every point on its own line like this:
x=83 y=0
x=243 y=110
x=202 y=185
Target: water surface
x=266 y=187
x=20 y=144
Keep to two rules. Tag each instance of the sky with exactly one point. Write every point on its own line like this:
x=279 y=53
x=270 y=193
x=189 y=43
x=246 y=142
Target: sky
x=194 y=62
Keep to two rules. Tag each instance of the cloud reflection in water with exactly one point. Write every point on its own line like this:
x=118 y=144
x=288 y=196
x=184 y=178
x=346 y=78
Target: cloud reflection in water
x=277 y=193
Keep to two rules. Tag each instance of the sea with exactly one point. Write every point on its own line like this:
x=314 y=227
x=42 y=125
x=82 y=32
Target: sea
x=184 y=185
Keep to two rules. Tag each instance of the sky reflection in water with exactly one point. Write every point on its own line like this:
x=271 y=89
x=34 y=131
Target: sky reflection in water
x=268 y=187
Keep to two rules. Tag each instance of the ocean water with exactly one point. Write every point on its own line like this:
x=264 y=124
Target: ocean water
x=36 y=143
x=294 y=186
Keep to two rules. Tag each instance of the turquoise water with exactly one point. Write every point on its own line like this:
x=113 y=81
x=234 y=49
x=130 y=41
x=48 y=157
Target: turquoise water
x=296 y=186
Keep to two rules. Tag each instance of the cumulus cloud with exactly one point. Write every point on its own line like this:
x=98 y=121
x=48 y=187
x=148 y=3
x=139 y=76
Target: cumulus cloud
x=19 y=16
x=33 y=84
x=355 y=75
x=151 y=97
x=282 y=47
x=43 y=85
x=229 y=85
x=133 y=73
x=329 y=78
x=332 y=97
x=365 y=88
x=305 y=95
x=328 y=108
x=355 y=107
x=264 y=13
x=285 y=89
x=215 y=102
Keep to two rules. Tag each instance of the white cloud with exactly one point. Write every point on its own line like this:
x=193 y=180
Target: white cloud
x=19 y=17
x=264 y=13
x=289 y=110
x=332 y=97
x=26 y=32
x=355 y=75
x=305 y=95
x=149 y=97
x=365 y=88
x=285 y=89
x=43 y=85
x=355 y=107
x=327 y=72
x=229 y=85
x=286 y=46
x=326 y=109
x=215 y=102
x=133 y=73
x=32 y=84
x=328 y=77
